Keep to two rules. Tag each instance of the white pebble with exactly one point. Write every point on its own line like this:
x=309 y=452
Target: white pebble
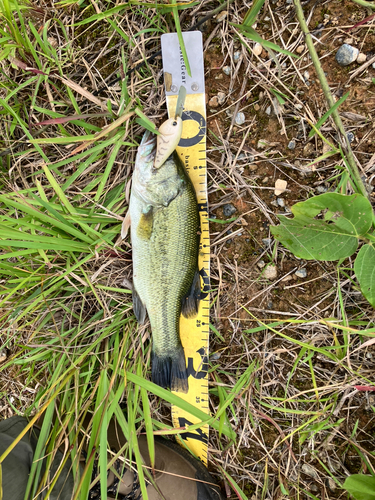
x=221 y=96
x=280 y=186
x=257 y=49
x=227 y=70
x=361 y=58
x=301 y=273
x=240 y=118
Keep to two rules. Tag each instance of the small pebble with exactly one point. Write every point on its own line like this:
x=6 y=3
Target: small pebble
x=257 y=49
x=346 y=54
x=220 y=17
x=236 y=55
x=348 y=40
x=267 y=241
x=289 y=1
x=300 y=49
x=215 y=356
x=373 y=65
x=292 y=144
x=265 y=180
x=3 y=355
x=298 y=106
x=257 y=107
x=252 y=167
x=361 y=58
x=270 y=305
x=281 y=202
x=270 y=272
x=213 y=102
x=321 y=189
x=227 y=70
x=261 y=264
x=268 y=110
x=221 y=96
x=280 y=186
x=240 y=118
x=350 y=136
x=301 y=273
x=229 y=210
x=306 y=75
x=286 y=278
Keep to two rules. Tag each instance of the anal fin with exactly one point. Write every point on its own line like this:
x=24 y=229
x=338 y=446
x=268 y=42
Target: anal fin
x=138 y=307
x=190 y=303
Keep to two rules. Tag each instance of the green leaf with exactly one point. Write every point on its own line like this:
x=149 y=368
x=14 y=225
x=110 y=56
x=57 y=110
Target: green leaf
x=365 y=271
x=279 y=96
x=253 y=35
x=361 y=487
x=145 y=122
x=181 y=40
x=326 y=227
x=252 y=13
x=328 y=114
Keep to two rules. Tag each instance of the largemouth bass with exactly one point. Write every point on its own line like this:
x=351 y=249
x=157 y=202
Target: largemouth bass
x=164 y=220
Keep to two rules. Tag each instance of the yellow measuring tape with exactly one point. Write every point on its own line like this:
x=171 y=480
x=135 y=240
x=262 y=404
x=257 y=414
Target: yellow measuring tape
x=194 y=333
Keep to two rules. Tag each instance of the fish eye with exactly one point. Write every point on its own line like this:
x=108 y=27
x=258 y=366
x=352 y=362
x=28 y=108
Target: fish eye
x=174 y=123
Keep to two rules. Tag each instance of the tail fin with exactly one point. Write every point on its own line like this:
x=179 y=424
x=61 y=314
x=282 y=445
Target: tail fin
x=169 y=371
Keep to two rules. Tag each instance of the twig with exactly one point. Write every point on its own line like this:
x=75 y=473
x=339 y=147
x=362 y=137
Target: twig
x=351 y=164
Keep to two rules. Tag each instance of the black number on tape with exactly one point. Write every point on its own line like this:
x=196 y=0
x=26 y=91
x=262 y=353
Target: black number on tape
x=203 y=366
x=198 y=434
x=206 y=284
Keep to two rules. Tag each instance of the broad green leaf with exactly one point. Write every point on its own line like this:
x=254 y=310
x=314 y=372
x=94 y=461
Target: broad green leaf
x=361 y=487
x=364 y=268
x=326 y=227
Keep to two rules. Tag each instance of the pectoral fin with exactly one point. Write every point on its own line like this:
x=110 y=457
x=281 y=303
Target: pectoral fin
x=125 y=225
x=144 y=229
x=190 y=303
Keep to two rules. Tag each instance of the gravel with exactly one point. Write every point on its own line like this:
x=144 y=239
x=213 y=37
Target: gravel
x=240 y=118
x=346 y=54
x=270 y=272
x=229 y=210
x=301 y=273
